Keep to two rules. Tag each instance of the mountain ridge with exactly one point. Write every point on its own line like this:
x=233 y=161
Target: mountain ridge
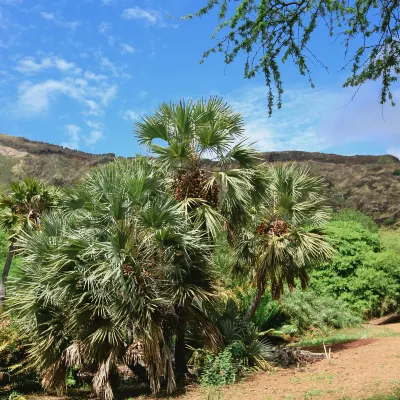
x=365 y=182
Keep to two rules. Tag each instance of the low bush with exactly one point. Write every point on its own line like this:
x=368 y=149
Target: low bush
x=396 y=172
x=365 y=271
x=351 y=215
x=305 y=310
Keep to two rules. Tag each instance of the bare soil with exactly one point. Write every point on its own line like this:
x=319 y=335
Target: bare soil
x=357 y=370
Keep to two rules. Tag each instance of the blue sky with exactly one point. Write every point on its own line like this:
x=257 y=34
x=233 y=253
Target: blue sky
x=79 y=72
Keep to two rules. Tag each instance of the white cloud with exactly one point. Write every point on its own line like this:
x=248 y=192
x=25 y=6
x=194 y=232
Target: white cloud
x=94 y=125
x=150 y=16
x=130 y=115
x=93 y=137
x=48 y=16
x=73 y=132
x=59 y=21
x=126 y=48
x=105 y=27
x=108 y=95
x=317 y=119
x=63 y=65
x=92 y=76
x=35 y=99
x=28 y=65
x=107 y=65
x=293 y=127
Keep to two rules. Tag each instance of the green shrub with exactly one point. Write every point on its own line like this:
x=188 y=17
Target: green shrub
x=223 y=368
x=389 y=221
x=306 y=310
x=16 y=396
x=13 y=353
x=351 y=215
x=268 y=314
x=396 y=172
x=365 y=270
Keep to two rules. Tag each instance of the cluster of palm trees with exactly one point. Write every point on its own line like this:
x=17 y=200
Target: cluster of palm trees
x=119 y=268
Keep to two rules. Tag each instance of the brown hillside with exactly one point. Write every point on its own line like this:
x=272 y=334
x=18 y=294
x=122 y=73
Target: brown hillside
x=57 y=165
x=364 y=182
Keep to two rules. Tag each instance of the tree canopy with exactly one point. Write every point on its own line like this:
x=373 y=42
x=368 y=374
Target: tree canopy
x=271 y=31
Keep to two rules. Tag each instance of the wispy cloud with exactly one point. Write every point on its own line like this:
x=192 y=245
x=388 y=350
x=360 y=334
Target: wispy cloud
x=292 y=127
x=117 y=71
x=59 y=21
x=72 y=131
x=105 y=27
x=127 y=49
x=317 y=119
x=93 y=137
x=36 y=99
x=130 y=115
x=96 y=77
x=150 y=16
x=28 y=65
x=75 y=137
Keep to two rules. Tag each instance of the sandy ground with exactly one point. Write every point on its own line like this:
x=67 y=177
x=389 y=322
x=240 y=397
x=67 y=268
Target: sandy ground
x=356 y=370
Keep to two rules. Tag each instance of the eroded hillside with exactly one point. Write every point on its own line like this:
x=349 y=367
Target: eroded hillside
x=364 y=182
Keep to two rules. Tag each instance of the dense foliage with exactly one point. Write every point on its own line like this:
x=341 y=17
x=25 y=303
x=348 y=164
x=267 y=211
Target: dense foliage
x=21 y=208
x=271 y=32
x=364 y=272
x=284 y=238
x=108 y=278
x=305 y=310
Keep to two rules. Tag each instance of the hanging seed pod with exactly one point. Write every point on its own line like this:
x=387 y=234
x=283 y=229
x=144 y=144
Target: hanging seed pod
x=277 y=228
x=127 y=270
x=193 y=184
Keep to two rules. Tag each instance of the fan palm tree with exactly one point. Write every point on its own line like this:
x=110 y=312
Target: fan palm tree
x=213 y=173
x=286 y=238
x=105 y=277
x=21 y=208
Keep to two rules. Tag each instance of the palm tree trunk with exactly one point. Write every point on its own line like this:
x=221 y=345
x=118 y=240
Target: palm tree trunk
x=256 y=299
x=180 y=358
x=6 y=271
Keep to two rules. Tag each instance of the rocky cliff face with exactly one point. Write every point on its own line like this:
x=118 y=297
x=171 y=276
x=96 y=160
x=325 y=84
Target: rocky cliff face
x=363 y=182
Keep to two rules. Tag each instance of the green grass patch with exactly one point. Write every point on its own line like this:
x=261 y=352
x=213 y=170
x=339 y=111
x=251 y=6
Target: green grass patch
x=346 y=335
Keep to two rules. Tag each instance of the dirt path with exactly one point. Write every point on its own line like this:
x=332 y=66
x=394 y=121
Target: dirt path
x=357 y=370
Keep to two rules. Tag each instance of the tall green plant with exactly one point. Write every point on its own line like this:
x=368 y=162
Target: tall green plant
x=21 y=208
x=107 y=278
x=285 y=238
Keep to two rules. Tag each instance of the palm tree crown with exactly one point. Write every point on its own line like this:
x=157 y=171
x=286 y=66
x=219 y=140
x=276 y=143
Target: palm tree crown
x=285 y=238
x=213 y=173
